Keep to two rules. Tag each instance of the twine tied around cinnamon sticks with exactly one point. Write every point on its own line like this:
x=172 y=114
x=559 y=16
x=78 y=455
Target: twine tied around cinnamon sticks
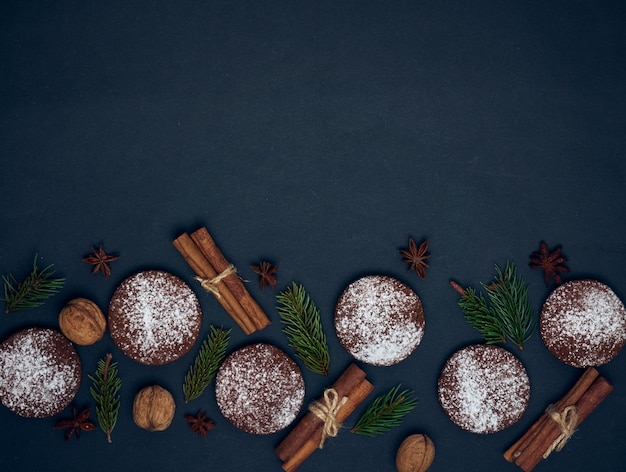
x=326 y=410
x=349 y=390
x=218 y=276
x=210 y=284
x=567 y=422
x=556 y=425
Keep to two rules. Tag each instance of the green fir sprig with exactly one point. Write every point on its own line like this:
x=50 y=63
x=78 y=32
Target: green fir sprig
x=31 y=292
x=105 y=391
x=474 y=305
x=208 y=360
x=304 y=328
x=506 y=313
x=385 y=412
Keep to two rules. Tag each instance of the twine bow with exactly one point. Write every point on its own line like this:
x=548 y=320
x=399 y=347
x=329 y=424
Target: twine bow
x=210 y=285
x=326 y=410
x=567 y=421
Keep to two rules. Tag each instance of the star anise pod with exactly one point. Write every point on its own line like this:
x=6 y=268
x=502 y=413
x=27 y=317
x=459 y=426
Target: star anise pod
x=79 y=422
x=199 y=423
x=416 y=256
x=267 y=274
x=100 y=260
x=551 y=262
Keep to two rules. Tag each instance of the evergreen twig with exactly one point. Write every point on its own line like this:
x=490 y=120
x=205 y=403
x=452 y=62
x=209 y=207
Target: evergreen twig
x=304 y=328
x=506 y=313
x=508 y=295
x=208 y=360
x=479 y=316
x=31 y=292
x=385 y=412
x=105 y=391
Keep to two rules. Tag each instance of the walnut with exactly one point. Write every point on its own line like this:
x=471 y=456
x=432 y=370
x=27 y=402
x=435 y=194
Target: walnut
x=415 y=454
x=153 y=408
x=82 y=321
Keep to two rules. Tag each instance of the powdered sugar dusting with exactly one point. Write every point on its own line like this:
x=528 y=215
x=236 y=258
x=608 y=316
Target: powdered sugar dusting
x=583 y=323
x=154 y=317
x=259 y=389
x=40 y=372
x=379 y=320
x=483 y=388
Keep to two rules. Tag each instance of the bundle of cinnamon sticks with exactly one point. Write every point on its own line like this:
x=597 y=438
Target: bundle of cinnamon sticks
x=217 y=275
x=551 y=430
x=307 y=435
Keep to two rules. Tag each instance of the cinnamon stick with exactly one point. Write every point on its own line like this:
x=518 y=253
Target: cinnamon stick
x=214 y=255
x=310 y=423
x=539 y=427
x=596 y=394
x=202 y=268
x=586 y=395
x=544 y=426
x=355 y=398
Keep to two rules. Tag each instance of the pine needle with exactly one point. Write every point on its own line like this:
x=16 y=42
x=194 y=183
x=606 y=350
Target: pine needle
x=31 y=292
x=207 y=362
x=105 y=389
x=385 y=412
x=304 y=328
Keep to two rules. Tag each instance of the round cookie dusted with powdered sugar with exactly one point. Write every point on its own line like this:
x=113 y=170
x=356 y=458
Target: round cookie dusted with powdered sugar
x=483 y=388
x=583 y=323
x=154 y=317
x=379 y=320
x=40 y=372
x=259 y=389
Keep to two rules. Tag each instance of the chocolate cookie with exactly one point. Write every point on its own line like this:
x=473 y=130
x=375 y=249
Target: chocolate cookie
x=484 y=388
x=583 y=323
x=154 y=317
x=259 y=389
x=379 y=320
x=40 y=372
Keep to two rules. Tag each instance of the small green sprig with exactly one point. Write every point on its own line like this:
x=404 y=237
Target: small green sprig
x=508 y=295
x=208 y=360
x=385 y=412
x=474 y=305
x=105 y=391
x=31 y=292
x=304 y=328
x=506 y=313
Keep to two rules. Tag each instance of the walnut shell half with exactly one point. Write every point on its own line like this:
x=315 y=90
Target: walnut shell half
x=153 y=408
x=415 y=454
x=82 y=321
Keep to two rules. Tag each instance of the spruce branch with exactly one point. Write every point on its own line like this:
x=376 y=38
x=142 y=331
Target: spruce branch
x=506 y=313
x=508 y=295
x=208 y=360
x=31 y=292
x=304 y=328
x=385 y=412
x=105 y=391
x=479 y=316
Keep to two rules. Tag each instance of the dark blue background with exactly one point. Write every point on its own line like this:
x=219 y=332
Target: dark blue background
x=320 y=136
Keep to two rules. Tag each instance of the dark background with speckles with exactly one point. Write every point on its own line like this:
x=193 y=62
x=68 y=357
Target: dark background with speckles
x=319 y=136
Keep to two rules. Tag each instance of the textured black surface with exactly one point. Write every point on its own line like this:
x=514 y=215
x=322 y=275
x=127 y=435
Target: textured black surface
x=319 y=136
